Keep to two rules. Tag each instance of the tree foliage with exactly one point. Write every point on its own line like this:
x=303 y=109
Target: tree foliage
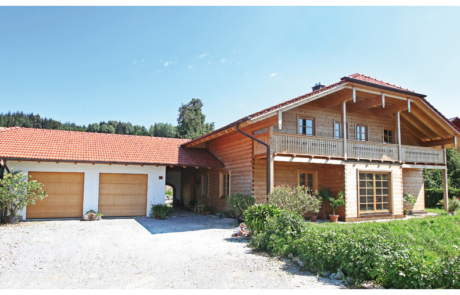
x=16 y=192
x=297 y=199
x=433 y=177
x=192 y=124
x=191 y=121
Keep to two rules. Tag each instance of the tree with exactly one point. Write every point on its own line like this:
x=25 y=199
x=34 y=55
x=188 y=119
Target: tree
x=165 y=130
x=190 y=123
x=152 y=130
x=433 y=177
x=16 y=192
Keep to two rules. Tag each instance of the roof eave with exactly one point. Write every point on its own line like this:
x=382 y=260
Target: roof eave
x=358 y=81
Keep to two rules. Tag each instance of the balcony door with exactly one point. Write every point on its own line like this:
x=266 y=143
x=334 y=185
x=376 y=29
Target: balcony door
x=374 y=192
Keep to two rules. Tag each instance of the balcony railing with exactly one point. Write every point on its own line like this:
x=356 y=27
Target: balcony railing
x=283 y=143
x=307 y=145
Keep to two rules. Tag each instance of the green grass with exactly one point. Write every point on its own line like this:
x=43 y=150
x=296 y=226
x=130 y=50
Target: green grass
x=436 y=210
x=432 y=236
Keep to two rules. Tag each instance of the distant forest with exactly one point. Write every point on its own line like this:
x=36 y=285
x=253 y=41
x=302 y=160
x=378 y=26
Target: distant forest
x=191 y=124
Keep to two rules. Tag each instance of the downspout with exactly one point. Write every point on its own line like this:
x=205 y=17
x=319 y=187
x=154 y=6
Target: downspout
x=268 y=154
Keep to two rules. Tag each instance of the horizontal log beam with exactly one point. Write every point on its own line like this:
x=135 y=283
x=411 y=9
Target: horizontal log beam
x=439 y=142
x=398 y=107
x=330 y=101
x=364 y=105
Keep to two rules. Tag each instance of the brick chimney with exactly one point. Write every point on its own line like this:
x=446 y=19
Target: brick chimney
x=318 y=86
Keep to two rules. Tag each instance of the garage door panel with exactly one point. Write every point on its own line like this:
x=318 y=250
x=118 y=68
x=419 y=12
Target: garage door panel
x=56 y=177
x=112 y=178
x=65 y=195
x=122 y=189
x=123 y=194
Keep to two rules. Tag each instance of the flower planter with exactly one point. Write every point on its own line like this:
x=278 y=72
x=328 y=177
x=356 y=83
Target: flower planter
x=450 y=212
x=324 y=217
x=207 y=213
x=334 y=218
x=313 y=219
x=12 y=219
x=91 y=217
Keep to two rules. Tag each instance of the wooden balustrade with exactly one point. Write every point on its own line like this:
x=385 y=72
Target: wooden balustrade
x=284 y=143
x=372 y=151
x=307 y=145
x=422 y=154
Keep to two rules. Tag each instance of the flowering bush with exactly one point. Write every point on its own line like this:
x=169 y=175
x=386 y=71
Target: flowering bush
x=409 y=198
x=454 y=204
x=296 y=199
x=240 y=202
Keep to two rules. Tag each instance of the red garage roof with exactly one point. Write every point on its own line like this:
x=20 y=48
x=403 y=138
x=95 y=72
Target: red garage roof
x=73 y=146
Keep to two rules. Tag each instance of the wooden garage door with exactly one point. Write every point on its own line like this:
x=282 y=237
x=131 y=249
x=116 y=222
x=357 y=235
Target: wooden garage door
x=65 y=195
x=123 y=194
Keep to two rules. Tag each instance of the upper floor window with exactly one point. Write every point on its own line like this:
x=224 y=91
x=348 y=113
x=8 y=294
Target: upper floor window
x=361 y=133
x=306 y=126
x=338 y=130
x=388 y=136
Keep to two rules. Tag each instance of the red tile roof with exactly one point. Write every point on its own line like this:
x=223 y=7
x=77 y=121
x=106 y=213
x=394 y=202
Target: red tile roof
x=59 y=145
x=352 y=78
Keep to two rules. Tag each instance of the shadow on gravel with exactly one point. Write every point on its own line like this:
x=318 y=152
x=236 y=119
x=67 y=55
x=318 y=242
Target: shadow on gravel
x=185 y=221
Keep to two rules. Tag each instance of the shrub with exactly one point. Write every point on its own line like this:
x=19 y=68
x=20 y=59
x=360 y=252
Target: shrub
x=256 y=216
x=279 y=232
x=160 y=210
x=409 y=198
x=16 y=192
x=240 y=202
x=454 y=204
x=433 y=196
x=325 y=195
x=296 y=199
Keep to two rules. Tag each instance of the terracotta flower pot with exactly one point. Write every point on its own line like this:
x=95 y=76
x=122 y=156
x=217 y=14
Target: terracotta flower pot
x=334 y=218
x=313 y=219
x=158 y=217
x=450 y=212
x=324 y=217
x=207 y=213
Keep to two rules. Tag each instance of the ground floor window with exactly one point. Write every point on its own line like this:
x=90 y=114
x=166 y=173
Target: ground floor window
x=307 y=179
x=374 y=192
x=204 y=185
x=225 y=184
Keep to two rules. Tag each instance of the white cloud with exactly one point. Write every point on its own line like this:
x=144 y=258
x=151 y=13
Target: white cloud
x=166 y=64
x=134 y=61
x=203 y=55
x=143 y=60
x=224 y=60
x=234 y=51
x=273 y=75
x=240 y=104
x=209 y=62
x=191 y=66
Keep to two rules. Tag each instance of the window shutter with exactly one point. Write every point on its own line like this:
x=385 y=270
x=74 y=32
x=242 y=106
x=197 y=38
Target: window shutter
x=367 y=133
x=297 y=124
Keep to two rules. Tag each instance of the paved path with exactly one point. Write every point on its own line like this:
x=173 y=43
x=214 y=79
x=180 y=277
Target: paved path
x=185 y=251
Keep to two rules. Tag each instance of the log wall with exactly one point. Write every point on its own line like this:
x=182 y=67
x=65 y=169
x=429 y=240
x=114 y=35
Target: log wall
x=413 y=184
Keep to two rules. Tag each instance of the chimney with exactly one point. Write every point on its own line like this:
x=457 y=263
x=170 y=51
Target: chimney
x=318 y=86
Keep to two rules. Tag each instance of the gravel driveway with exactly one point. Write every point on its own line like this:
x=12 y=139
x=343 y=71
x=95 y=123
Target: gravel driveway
x=185 y=251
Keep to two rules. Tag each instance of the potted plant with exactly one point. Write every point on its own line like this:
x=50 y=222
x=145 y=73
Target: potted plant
x=159 y=211
x=91 y=215
x=409 y=200
x=207 y=210
x=192 y=204
x=336 y=203
x=313 y=218
x=405 y=212
x=16 y=192
x=325 y=195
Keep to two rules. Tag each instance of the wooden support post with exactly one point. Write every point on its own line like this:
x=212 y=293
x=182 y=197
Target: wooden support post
x=354 y=94
x=398 y=126
x=272 y=160
x=344 y=123
x=445 y=185
x=280 y=120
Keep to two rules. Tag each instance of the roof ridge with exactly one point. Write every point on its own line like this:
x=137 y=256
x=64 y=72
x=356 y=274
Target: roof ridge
x=387 y=83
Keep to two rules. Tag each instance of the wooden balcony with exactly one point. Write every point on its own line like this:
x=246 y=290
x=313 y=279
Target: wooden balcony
x=284 y=143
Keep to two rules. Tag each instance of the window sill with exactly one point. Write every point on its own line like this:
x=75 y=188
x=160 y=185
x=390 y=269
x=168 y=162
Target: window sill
x=222 y=197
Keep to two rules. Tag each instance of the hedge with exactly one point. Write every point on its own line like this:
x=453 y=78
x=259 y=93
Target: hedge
x=434 y=195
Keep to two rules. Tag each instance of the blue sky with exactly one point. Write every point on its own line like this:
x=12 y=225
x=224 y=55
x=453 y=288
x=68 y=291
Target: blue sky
x=138 y=64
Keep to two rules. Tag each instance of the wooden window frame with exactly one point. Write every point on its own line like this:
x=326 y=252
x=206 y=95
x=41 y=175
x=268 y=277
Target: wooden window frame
x=366 y=132
x=315 y=177
x=390 y=192
x=313 y=127
x=393 y=136
x=341 y=130
x=221 y=183
x=207 y=185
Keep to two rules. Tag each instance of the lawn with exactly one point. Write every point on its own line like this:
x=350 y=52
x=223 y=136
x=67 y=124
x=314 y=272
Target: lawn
x=433 y=236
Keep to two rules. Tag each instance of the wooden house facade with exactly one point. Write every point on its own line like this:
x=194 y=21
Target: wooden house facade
x=362 y=136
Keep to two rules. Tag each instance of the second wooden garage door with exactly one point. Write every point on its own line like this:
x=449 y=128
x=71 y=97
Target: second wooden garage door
x=65 y=195
x=123 y=194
